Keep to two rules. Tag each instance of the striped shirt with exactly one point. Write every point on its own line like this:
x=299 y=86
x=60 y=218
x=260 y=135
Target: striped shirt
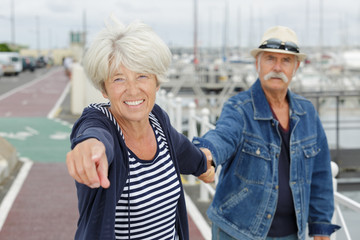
x=147 y=207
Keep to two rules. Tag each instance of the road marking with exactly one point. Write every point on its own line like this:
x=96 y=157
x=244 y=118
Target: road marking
x=197 y=218
x=11 y=195
x=22 y=87
x=54 y=111
x=21 y=135
x=60 y=136
x=40 y=139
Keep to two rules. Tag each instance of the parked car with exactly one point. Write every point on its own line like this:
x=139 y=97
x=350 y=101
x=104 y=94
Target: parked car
x=1 y=69
x=12 y=64
x=29 y=63
x=41 y=62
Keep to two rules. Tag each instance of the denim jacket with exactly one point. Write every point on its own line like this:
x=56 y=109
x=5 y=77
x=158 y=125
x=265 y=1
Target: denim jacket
x=246 y=143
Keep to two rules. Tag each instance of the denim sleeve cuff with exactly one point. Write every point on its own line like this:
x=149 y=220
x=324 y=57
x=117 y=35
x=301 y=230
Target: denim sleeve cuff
x=322 y=229
x=203 y=143
x=198 y=142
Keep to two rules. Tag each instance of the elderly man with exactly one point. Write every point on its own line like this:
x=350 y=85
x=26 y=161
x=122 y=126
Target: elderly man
x=276 y=174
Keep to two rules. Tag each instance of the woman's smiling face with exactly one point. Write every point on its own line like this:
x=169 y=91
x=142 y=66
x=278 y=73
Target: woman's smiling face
x=132 y=95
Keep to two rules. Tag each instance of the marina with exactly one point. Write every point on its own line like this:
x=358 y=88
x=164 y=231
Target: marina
x=210 y=42
x=332 y=83
x=333 y=86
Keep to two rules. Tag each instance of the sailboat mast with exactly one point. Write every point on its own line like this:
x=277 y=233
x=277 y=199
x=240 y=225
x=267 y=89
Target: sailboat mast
x=196 y=60
x=225 y=33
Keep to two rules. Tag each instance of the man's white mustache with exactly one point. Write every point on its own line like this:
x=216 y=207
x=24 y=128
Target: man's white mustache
x=280 y=75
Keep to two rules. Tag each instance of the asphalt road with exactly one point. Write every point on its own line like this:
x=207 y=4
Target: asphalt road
x=39 y=198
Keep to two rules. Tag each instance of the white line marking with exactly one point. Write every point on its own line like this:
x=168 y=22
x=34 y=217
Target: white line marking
x=19 y=88
x=53 y=111
x=197 y=218
x=11 y=195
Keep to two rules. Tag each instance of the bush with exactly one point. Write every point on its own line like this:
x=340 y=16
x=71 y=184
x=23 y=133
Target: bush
x=4 y=47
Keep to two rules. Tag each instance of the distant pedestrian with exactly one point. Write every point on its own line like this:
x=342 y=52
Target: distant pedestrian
x=68 y=62
x=126 y=157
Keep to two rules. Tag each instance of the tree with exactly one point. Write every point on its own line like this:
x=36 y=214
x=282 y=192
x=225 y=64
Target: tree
x=4 y=47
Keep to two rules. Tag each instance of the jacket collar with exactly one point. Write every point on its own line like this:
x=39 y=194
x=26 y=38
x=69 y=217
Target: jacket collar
x=261 y=106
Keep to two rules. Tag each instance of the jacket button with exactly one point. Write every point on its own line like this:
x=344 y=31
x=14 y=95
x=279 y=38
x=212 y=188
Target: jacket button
x=268 y=216
x=277 y=187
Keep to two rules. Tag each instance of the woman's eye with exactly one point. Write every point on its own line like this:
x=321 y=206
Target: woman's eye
x=143 y=77
x=119 y=79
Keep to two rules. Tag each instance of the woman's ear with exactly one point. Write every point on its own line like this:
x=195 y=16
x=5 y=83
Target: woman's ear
x=103 y=91
x=104 y=94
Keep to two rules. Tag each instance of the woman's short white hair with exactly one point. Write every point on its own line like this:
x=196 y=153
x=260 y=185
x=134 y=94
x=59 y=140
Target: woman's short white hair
x=136 y=46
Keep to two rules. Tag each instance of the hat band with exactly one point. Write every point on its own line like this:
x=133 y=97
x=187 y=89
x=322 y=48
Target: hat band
x=274 y=43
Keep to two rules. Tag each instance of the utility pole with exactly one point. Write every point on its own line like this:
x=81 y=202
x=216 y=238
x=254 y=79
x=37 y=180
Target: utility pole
x=307 y=20
x=12 y=22
x=37 y=34
x=84 y=30
x=225 y=31
x=239 y=29
x=321 y=37
x=321 y=27
x=196 y=60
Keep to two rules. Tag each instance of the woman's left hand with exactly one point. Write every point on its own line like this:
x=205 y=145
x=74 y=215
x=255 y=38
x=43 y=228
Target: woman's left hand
x=321 y=238
x=209 y=175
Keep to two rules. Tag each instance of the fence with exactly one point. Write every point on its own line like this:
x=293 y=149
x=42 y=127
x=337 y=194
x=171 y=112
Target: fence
x=174 y=108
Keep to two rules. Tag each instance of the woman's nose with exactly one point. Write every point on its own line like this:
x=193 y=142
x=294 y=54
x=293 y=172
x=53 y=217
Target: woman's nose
x=132 y=86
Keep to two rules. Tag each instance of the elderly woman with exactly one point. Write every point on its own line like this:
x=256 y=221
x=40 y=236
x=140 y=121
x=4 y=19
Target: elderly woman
x=126 y=158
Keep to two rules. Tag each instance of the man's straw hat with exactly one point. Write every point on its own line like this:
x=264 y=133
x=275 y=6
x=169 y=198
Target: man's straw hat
x=279 y=39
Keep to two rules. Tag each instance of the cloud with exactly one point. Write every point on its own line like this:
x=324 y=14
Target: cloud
x=59 y=7
x=173 y=20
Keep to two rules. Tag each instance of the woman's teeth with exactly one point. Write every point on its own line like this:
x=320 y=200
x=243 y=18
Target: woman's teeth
x=134 y=103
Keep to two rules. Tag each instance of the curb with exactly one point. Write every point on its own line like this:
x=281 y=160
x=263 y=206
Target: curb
x=8 y=159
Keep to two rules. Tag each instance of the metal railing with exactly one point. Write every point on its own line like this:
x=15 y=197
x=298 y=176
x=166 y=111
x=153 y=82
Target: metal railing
x=195 y=125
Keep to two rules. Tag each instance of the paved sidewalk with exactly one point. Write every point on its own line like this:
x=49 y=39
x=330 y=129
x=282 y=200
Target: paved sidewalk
x=45 y=207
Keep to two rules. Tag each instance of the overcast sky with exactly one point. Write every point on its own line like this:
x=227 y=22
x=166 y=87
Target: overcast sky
x=47 y=23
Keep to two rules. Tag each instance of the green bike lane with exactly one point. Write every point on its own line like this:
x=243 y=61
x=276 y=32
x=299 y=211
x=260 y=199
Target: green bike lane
x=38 y=139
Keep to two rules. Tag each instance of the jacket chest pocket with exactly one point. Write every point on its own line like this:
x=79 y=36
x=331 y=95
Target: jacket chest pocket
x=310 y=152
x=254 y=163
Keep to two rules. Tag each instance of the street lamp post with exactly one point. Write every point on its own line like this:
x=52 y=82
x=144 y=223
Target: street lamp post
x=12 y=22
x=37 y=34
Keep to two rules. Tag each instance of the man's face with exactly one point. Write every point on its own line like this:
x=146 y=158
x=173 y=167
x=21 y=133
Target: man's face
x=276 y=70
